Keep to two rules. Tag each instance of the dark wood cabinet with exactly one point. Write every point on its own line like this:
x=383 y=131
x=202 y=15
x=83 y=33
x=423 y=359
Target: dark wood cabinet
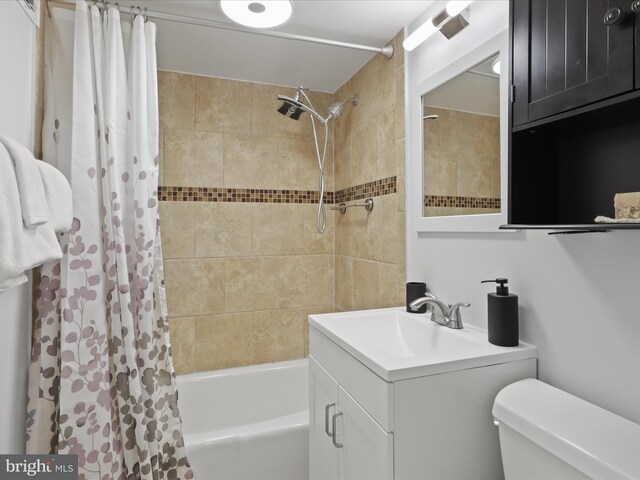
x=565 y=56
x=574 y=140
x=635 y=7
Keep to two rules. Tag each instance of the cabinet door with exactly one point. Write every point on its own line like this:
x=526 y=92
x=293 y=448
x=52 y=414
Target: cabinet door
x=367 y=450
x=564 y=56
x=323 y=393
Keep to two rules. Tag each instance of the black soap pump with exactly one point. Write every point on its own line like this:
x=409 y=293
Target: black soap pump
x=503 y=315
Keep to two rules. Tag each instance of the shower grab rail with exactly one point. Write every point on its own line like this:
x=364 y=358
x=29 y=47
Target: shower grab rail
x=342 y=207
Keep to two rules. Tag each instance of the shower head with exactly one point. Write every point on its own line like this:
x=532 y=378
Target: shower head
x=290 y=107
x=337 y=109
x=293 y=107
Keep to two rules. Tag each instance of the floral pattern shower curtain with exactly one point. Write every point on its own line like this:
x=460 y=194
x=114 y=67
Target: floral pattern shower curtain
x=102 y=384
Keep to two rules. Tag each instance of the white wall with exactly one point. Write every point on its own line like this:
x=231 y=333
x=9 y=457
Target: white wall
x=578 y=293
x=17 y=66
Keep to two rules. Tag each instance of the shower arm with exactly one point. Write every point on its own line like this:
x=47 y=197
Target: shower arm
x=354 y=100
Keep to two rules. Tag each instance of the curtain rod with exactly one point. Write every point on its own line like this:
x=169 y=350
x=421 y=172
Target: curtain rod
x=387 y=50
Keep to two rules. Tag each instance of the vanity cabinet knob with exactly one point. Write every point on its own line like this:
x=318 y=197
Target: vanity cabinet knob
x=614 y=16
x=635 y=6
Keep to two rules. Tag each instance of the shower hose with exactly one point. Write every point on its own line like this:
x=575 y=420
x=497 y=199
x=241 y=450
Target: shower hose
x=321 y=214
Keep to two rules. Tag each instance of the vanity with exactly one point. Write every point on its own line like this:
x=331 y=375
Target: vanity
x=394 y=395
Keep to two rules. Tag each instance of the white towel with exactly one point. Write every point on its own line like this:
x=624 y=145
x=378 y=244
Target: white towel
x=32 y=197
x=58 y=195
x=21 y=248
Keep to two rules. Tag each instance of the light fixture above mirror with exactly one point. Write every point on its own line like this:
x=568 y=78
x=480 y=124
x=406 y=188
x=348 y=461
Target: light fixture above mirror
x=449 y=22
x=454 y=7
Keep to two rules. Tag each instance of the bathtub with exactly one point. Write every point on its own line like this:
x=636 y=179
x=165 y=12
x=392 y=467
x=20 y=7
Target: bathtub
x=248 y=423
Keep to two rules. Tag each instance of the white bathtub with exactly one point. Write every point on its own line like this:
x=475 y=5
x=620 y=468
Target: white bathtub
x=248 y=423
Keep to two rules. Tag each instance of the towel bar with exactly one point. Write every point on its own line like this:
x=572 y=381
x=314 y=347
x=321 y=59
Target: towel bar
x=342 y=207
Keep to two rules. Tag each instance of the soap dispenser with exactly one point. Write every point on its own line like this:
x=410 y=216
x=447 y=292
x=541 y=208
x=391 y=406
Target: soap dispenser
x=502 y=315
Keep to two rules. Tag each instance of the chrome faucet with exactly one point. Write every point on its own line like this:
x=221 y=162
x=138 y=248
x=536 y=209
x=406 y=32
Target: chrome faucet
x=451 y=316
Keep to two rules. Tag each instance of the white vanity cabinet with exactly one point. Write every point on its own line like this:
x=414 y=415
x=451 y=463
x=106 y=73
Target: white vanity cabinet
x=346 y=442
x=411 y=425
x=323 y=401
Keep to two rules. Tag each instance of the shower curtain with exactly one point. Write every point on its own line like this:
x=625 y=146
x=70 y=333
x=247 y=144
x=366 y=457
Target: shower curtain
x=101 y=383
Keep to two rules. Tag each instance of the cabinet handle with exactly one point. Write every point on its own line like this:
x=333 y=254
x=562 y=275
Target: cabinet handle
x=635 y=6
x=614 y=16
x=326 y=419
x=334 y=420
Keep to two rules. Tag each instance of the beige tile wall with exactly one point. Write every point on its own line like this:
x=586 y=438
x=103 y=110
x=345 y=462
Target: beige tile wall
x=241 y=278
x=461 y=165
x=370 y=266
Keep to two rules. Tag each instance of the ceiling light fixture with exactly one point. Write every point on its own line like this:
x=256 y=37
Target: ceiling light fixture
x=449 y=22
x=258 y=13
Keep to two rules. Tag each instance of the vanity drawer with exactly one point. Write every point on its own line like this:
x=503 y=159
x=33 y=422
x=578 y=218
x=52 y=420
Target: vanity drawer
x=369 y=390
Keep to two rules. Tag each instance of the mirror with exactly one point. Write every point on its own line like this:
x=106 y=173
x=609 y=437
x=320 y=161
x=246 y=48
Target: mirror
x=458 y=153
x=461 y=143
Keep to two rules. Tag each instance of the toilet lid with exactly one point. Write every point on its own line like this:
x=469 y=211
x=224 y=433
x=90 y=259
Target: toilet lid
x=592 y=440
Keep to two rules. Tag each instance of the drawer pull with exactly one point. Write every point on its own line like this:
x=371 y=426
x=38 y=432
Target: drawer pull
x=334 y=420
x=635 y=6
x=326 y=419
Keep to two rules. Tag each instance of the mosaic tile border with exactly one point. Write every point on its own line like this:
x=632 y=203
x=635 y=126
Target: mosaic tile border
x=377 y=188
x=239 y=195
x=460 y=202
x=385 y=186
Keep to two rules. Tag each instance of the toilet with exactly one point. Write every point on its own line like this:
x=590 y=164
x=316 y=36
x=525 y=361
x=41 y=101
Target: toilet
x=549 y=434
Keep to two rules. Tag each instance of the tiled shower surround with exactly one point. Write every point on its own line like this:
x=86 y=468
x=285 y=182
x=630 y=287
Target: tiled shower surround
x=369 y=145
x=462 y=163
x=244 y=265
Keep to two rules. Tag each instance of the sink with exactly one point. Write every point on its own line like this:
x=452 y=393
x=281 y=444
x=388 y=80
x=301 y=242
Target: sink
x=401 y=334
x=398 y=345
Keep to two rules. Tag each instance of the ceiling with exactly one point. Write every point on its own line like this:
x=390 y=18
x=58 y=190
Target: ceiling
x=469 y=92
x=256 y=58
x=475 y=91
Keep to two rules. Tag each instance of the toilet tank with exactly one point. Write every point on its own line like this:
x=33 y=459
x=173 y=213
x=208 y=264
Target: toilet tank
x=546 y=433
